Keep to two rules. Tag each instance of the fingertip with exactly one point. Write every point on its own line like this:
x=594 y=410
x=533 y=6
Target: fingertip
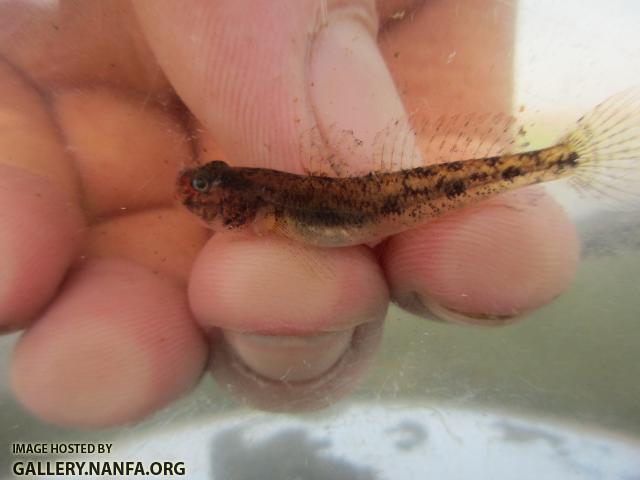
x=117 y=343
x=351 y=88
x=273 y=286
x=504 y=258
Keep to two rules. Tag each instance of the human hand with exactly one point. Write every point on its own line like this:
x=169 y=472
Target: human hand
x=94 y=136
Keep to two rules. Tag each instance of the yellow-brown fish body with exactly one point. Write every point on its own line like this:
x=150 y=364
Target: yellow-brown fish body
x=601 y=154
x=328 y=211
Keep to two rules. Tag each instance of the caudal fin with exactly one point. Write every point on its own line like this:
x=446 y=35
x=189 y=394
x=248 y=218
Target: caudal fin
x=607 y=140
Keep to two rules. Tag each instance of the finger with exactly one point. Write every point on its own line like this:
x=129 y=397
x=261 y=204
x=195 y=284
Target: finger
x=246 y=79
x=117 y=343
x=485 y=265
x=40 y=223
x=336 y=290
x=127 y=152
x=507 y=256
x=287 y=392
x=65 y=44
x=40 y=232
x=294 y=310
x=256 y=88
x=127 y=190
x=452 y=57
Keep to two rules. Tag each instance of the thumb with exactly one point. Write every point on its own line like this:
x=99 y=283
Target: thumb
x=259 y=75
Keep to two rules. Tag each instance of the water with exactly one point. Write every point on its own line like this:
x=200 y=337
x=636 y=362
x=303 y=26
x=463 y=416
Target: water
x=555 y=396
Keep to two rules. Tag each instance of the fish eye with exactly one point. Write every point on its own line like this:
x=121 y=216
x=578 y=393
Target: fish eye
x=200 y=184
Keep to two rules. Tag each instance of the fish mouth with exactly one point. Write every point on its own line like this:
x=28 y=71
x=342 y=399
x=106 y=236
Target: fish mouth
x=205 y=210
x=184 y=190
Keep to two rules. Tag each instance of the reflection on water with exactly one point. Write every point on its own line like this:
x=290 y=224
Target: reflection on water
x=289 y=453
x=386 y=440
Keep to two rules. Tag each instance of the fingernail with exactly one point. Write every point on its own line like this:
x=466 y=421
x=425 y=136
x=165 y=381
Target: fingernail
x=289 y=358
x=432 y=310
x=351 y=89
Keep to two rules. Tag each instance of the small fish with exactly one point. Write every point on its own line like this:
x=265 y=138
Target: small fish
x=601 y=155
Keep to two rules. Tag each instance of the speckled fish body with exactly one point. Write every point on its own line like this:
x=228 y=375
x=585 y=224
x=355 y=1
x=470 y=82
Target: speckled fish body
x=329 y=211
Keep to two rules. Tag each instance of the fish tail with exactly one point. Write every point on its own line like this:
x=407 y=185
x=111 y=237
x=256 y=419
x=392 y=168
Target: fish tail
x=607 y=143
